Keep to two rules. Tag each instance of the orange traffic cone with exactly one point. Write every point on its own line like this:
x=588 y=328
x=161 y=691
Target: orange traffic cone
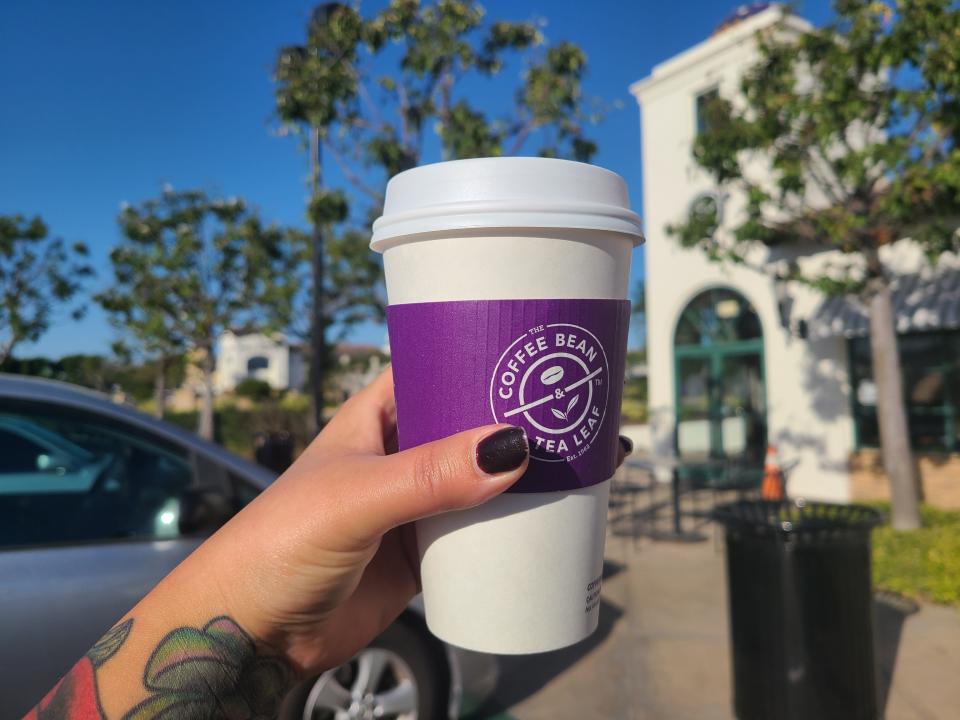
x=772 y=486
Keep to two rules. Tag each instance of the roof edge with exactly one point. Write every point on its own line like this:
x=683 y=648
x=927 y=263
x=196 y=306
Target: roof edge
x=716 y=44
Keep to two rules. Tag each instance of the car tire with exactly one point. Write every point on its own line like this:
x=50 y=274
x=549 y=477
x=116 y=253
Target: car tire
x=413 y=682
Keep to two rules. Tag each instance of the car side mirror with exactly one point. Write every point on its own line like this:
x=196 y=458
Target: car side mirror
x=203 y=510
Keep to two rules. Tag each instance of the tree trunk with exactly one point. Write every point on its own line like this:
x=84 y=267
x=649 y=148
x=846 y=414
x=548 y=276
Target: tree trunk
x=318 y=345
x=205 y=426
x=318 y=348
x=6 y=351
x=891 y=413
x=160 y=388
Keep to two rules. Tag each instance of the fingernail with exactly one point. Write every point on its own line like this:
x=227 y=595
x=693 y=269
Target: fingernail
x=503 y=450
x=627 y=444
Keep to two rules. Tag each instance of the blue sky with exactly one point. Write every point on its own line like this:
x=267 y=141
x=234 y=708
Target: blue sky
x=104 y=102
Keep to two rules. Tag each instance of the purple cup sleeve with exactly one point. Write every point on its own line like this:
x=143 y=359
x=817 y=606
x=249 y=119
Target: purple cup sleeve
x=553 y=367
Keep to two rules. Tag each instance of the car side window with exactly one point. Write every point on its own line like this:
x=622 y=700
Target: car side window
x=243 y=491
x=17 y=454
x=68 y=476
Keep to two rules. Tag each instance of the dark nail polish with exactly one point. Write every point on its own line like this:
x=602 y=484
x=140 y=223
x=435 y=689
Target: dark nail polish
x=503 y=450
x=627 y=444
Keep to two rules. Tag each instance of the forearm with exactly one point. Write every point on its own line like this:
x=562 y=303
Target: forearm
x=177 y=655
x=297 y=582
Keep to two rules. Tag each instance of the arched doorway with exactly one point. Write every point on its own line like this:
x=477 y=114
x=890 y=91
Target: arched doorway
x=720 y=393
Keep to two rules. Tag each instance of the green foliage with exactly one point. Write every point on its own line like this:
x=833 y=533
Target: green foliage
x=93 y=371
x=38 y=274
x=635 y=407
x=295 y=403
x=859 y=122
x=634 y=411
x=99 y=373
x=352 y=285
x=359 y=359
x=317 y=82
x=639 y=314
x=640 y=298
x=370 y=88
x=364 y=90
x=253 y=388
x=468 y=134
x=137 y=379
x=190 y=267
x=551 y=98
x=327 y=208
x=235 y=428
x=921 y=564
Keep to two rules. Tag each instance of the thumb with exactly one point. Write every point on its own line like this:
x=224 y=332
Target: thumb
x=457 y=472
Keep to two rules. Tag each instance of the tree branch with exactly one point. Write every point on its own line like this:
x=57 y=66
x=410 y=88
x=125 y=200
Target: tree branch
x=404 y=101
x=6 y=348
x=829 y=188
x=351 y=176
x=368 y=101
x=443 y=113
x=521 y=137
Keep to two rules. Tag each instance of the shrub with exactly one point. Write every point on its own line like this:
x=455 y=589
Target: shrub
x=254 y=389
x=234 y=428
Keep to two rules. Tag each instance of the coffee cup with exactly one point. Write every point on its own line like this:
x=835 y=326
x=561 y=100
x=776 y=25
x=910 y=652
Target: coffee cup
x=507 y=284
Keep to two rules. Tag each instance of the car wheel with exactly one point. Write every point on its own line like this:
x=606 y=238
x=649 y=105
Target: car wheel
x=399 y=676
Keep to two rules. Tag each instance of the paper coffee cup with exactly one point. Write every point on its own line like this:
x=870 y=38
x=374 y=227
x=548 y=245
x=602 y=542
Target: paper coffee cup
x=507 y=282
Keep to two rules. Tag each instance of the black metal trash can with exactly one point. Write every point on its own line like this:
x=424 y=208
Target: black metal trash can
x=801 y=610
x=273 y=450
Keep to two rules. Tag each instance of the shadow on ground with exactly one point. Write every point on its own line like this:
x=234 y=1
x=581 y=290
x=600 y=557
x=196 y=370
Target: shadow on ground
x=520 y=676
x=890 y=612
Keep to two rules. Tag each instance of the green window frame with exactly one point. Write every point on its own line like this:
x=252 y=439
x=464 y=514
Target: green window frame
x=717 y=325
x=930 y=363
x=702 y=101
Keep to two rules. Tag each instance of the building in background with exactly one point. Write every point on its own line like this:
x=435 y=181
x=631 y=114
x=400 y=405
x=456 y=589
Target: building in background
x=736 y=359
x=283 y=365
x=271 y=359
x=356 y=367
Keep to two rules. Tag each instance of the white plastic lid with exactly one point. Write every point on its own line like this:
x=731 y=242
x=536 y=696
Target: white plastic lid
x=504 y=192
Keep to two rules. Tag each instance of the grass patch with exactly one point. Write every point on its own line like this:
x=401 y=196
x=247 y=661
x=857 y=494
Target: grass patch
x=920 y=564
x=633 y=411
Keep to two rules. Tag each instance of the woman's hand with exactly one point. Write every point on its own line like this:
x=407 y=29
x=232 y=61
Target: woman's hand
x=326 y=558
x=298 y=581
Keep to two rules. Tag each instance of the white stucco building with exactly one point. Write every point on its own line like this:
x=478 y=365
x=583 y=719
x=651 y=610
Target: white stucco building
x=736 y=362
x=272 y=360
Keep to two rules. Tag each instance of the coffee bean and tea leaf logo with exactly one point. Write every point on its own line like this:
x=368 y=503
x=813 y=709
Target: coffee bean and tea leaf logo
x=552 y=381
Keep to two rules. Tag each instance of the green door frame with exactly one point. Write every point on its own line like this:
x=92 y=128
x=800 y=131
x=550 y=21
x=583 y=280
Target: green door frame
x=716 y=353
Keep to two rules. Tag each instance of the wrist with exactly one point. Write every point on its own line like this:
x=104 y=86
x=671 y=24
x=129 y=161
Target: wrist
x=223 y=578
x=187 y=652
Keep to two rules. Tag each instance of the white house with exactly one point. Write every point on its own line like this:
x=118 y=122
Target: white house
x=359 y=366
x=736 y=361
x=271 y=359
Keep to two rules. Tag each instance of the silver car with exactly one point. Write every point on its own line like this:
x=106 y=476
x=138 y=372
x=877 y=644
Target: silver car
x=99 y=501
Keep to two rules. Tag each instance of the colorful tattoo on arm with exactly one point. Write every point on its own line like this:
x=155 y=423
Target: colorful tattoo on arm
x=193 y=673
x=75 y=696
x=211 y=672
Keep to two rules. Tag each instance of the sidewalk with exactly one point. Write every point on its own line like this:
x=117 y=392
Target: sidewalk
x=661 y=650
